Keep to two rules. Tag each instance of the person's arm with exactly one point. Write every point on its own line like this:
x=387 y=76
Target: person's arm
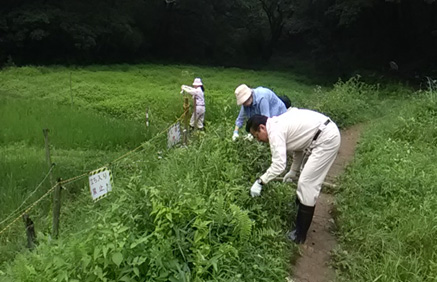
x=264 y=107
x=279 y=157
x=240 y=119
x=295 y=167
x=238 y=124
x=191 y=90
x=297 y=161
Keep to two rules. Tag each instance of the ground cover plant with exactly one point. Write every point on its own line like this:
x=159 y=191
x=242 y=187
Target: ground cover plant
x=182 y=214
x=387 y=199
x=80 y=139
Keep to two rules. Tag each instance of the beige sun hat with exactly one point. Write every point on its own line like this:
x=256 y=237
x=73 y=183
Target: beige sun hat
x=197 y=82
x=242 y=93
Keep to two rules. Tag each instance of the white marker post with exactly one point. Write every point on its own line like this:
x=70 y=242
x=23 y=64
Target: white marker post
x=100 y=183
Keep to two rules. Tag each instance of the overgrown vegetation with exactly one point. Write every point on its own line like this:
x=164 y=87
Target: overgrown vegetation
x=184 y=214
x=387 y=198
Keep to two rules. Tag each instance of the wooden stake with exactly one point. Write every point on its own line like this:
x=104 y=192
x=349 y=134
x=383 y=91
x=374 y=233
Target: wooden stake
x=48 y=158
x=56 y=192
x=186 y=111
x=195 y=113
x=30 y=231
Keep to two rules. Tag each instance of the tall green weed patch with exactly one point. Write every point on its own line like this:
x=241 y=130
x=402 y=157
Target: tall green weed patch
x=191 y=219
x=387 y=199
x=348 y=103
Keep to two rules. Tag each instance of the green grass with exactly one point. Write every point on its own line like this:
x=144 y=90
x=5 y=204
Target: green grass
x=185 y=214
x=127 y=90
x=387 y=199
x=69 y=127
x=81 y=140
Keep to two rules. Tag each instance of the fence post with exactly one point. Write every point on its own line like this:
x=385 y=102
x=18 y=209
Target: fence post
x=195 y=113
x=56 y=209
x=186 y=111
x=48 y=158
x=30 y=231
x=56 y=192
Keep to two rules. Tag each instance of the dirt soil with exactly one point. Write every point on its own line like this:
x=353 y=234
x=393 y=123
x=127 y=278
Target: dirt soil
x=313 y=265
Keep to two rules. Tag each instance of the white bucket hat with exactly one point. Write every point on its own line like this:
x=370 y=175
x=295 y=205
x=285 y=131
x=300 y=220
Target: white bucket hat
x=242 y=93
x=197 y=82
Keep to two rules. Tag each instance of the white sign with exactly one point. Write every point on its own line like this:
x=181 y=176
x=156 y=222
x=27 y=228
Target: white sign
x=174 y=135
x=100 y=183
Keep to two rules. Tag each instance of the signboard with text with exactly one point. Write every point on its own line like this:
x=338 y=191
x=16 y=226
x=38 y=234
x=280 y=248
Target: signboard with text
x=174 y=135
x=100 y=183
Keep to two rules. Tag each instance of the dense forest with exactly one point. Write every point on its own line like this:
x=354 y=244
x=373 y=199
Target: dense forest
x=335 y=35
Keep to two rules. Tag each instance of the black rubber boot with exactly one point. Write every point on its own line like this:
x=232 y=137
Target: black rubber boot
x=303 y=222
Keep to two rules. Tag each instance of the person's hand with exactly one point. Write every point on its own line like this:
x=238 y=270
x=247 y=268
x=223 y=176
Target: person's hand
x=235 y=135
x=255 y=190
x=248 y=137
x=290 y=176
x=183 y=88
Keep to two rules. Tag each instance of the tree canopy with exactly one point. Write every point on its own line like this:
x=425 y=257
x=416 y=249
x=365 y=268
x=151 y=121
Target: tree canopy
x=332 y=33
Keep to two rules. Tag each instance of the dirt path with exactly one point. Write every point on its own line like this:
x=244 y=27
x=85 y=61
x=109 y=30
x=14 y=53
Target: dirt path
x=313 y=263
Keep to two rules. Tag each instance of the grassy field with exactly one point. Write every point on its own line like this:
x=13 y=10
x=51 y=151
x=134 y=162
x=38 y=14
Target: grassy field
x=184 y=214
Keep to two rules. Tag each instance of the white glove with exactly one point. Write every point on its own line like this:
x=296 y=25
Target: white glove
x=248 y=137
x=183 y=88
x=255 y=190
x=235 y=135
x=290 y=176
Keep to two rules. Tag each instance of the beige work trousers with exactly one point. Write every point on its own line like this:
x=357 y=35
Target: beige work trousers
x=323 y=152
x=200 y=117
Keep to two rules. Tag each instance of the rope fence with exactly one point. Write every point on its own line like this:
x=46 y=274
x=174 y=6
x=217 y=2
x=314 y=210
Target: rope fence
x=76 y=178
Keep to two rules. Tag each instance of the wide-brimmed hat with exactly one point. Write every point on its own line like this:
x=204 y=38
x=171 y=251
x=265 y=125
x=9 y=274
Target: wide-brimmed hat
x=242 y=93
x=197 y=82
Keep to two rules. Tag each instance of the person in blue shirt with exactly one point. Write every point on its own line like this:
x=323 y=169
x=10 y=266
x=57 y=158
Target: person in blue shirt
x=261 y=101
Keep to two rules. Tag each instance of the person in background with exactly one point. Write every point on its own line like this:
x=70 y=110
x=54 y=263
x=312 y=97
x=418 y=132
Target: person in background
x=197 y=91
x=260 y=100
x=314 y=141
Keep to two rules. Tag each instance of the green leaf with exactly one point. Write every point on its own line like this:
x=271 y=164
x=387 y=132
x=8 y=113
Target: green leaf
x=117 y=258
x=96 y=252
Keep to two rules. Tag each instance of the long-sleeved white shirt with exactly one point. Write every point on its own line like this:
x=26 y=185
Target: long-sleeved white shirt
x=195 y=92
x=292 y=131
